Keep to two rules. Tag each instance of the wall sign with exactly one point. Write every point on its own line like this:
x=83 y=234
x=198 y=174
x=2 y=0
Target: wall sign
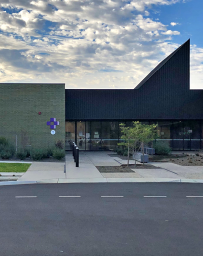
x=53 y=123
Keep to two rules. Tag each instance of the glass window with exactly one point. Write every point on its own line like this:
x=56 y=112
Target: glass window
x=109 y=135
x=177 y=135
x=164 y=131
x=95 y=135
x=191 y=135
x=88 y=140
x=70 y=134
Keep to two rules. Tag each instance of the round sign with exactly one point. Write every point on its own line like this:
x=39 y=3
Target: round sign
x=53 y=132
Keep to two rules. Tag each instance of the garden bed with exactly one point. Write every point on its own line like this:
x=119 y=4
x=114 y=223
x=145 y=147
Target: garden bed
x=124 y=168
x=184 y=159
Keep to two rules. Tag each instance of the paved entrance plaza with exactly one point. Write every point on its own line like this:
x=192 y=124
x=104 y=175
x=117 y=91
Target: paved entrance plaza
x=53 y=172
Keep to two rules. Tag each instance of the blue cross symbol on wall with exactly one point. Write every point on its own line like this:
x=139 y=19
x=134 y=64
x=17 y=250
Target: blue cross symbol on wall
x=53 y=123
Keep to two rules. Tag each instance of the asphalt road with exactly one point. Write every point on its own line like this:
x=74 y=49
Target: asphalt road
x=155 y=219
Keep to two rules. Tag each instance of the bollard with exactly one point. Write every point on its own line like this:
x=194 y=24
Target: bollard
x=77 y=157
x=73 y=144
x=74 y=153
x=72 y=148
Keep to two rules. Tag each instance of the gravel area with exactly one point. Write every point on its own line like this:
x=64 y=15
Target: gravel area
x=184 y=159
x=181 y=159
x=121 y=157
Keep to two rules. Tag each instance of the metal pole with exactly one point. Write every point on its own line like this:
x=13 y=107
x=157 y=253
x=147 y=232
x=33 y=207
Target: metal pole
x=74 y=150
x=77 y=157
x=72 y=145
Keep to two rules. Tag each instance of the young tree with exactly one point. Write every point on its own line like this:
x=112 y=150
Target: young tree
x=148 y=133
x=127 y=138
x=137 y=136
x=131 y=137
x=136 y=130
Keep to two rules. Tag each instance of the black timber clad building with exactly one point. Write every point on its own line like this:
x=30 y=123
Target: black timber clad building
x=162 y=97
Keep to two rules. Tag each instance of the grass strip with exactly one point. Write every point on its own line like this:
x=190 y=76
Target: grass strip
x=13 y=167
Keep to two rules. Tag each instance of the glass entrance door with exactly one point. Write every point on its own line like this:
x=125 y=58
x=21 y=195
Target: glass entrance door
x=81 y=139
x=70 y=134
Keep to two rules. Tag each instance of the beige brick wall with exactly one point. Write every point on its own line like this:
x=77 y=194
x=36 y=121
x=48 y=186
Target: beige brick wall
x=19 y=107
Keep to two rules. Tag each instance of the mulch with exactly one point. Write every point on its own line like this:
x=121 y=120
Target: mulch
x=124 y=168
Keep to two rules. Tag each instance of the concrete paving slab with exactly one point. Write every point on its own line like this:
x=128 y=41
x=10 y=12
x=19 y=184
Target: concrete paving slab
x=121 y=161
x=43 y=170
x=84 y=171
x=33 y=175
x=189 y=172
x=53 y=172
x=121 y=175
x=156 y=173
x=112 y=163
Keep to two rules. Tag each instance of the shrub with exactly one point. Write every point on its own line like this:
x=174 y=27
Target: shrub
x=120 y=150
x=21 y=154
x=162 y=148
x=3 y=141
x=125 y=152
x=7 y=151
x=38 y=154
x=58 y=153
x=49 y=152
x=27 y=152
x=5 y=154
x=59 y=144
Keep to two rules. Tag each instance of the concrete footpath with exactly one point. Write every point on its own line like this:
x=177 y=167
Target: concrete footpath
x=53 y=172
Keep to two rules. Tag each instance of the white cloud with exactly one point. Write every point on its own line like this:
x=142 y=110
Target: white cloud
x=173 y=24
x=92 y=43
x=170 y=32
x=196 y=67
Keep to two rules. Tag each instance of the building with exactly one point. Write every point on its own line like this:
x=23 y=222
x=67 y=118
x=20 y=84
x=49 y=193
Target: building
x=91 y=117
x=29 y=112
x=163 y=97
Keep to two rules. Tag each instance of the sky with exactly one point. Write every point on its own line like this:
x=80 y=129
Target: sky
x=96 y=44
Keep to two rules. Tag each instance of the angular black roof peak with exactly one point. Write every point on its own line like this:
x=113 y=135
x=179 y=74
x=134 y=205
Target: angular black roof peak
x=160 y=65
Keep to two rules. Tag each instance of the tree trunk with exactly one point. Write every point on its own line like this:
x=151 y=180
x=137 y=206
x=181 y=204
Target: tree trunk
x=134 y=156
x=143 y=151
x=128 y=153
x=134 y=153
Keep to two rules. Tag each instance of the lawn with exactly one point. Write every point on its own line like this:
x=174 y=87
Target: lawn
x=12 y=167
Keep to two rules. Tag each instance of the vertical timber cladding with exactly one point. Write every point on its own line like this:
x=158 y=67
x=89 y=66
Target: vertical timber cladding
x=25 y=110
